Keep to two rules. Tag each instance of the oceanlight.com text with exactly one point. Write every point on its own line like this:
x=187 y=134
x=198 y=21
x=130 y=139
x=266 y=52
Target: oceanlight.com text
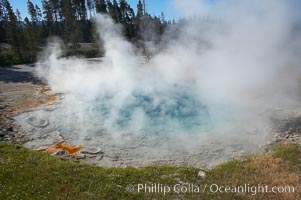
x=208 y=188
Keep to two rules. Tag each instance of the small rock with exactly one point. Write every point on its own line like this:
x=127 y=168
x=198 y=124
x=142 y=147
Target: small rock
x=42 y=148
x=88 y=138
x=90 y=150
x=201 y=174
x=80 y=156
x=91 y=156
x=60 y=153
x=115 y=158
x=49 y=108
x=56 y=137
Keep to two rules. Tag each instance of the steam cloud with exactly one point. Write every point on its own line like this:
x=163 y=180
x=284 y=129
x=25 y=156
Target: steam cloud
x=226 y=73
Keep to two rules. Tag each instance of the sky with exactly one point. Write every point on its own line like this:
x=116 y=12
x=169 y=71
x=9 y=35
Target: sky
x=153 y=7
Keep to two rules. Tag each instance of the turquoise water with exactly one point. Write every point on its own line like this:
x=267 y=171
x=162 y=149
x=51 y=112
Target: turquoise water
x=177 y=110
x=180 y=109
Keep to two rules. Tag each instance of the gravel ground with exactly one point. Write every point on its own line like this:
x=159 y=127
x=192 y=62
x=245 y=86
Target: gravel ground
x=18 y=84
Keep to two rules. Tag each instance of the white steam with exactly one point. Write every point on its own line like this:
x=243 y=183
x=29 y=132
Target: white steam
x=240 y=65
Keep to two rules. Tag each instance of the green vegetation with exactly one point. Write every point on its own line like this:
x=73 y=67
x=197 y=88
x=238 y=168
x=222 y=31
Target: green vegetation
x=26 y=174
x=289 y=152
x=72 y=21
x=2 y=134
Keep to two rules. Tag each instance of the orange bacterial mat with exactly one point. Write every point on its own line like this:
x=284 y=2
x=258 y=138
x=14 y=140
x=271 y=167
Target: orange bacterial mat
x=71 y=149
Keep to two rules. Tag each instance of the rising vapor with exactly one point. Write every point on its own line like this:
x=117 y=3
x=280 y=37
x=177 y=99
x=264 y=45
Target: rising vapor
x=232 y=67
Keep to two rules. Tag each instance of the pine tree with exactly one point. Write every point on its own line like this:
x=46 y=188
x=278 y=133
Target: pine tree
x=33 y=29
x=70 y=20
x=127 y=16
x=55 y=6
x=1 y=10
x=114 y=10
x=123 y=10
x=18 y=14
x=110 y=8
x=53 y=16
x=140 y=10
x=101 y=6
x=38 y=13
x=13 y=30
x=3 y=21
x=72 y=33
x=32 y=12
x=91 y=6
x=139 y=21
x=47 y=19
x=81 y=19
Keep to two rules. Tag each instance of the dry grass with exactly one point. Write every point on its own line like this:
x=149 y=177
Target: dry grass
x=28 y=174
x=260 y=170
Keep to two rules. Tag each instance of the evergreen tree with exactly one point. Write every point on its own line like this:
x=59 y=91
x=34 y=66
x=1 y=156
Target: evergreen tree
x=110 y=8
x=13 y=30
x=3 y=22
x=72 y=33
x=91 y=6
x=52 y=17
x=127 y=16
x=56 y=9
x=18 y=14
x=33 y=29
x=101 y=6
x=48 y=18
x=123 y=11
x=139 y=21
x=70 y=20
x=32 y=12
x=116 y=15
x=80 y=11
x=140 y=10
x=2 y=10
x=38 y=13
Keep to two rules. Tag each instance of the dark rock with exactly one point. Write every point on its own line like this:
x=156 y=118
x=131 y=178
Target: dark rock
x=59 y=153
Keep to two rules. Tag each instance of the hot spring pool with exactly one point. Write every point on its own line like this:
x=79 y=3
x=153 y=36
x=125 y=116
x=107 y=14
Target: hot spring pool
x=171 y=127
